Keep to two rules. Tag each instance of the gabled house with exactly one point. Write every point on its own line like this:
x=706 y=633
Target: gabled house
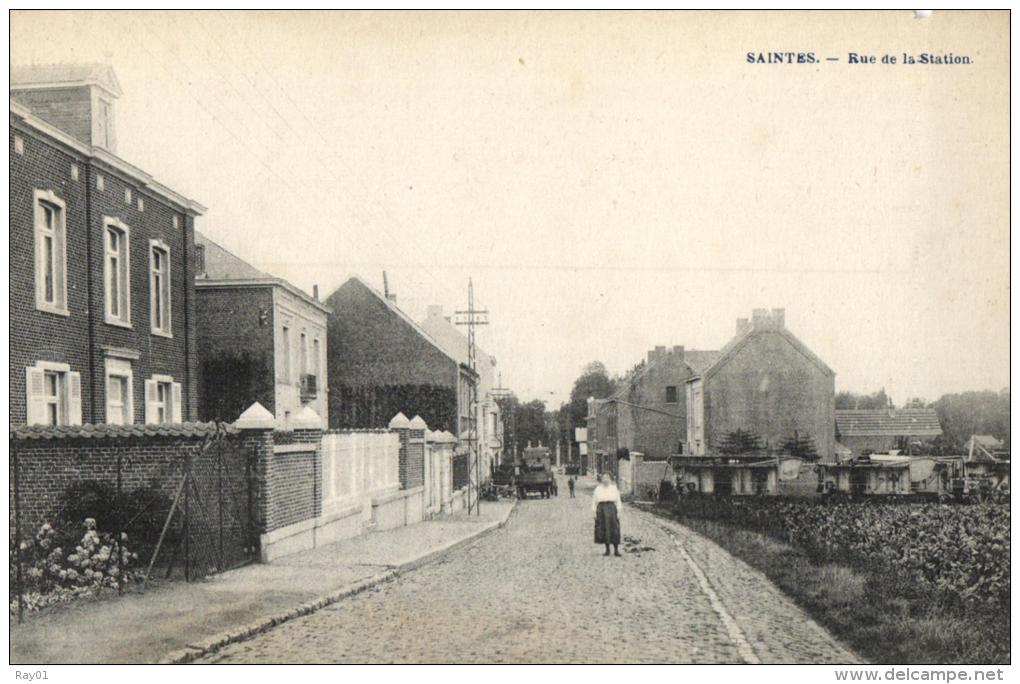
x=765 y=382
x=651 y=406
x=260 y=339
x=866 y=431
x=381 y=362
x=101 y=263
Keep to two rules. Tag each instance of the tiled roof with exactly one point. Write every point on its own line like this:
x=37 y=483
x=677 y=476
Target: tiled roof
x=453 y=341
x=700 y=359
x=888 y=422
x=89 y=431
x=221 y=264
x=53 y=74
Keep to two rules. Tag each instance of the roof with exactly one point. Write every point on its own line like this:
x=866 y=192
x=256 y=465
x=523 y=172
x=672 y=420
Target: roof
x=696 y=359
x=88 y=431
x=987 y=441
x=701 y=359
x=221 y=264
x=986 y=449
x=57 y=75
x=452 y=340
x=741 y=339
x=923 y=422
x=224 y=268
x=358 y=280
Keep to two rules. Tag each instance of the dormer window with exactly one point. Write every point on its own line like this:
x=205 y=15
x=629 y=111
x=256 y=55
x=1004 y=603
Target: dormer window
x=104 y=123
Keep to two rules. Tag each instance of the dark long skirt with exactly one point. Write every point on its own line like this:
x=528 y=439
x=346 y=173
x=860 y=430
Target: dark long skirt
x=607 y=523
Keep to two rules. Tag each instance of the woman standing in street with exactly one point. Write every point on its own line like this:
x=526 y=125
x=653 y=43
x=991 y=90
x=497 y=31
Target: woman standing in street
x=607 y=507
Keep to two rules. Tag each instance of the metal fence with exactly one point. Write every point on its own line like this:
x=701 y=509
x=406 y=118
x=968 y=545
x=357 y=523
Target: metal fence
x=120 y=511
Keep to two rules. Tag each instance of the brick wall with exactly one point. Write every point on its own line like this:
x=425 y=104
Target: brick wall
x=80 y=338
x=415 y=469
x=36 y=335
x=46 y=469
x=657 y=433
x=234 y=329
x=263 y=481
x=69 y=109
x=291 y=480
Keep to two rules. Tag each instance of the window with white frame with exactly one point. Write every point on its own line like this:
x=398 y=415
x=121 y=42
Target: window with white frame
x=163 y=400
x=53 y=394
x=50 y=252
x=116 y=273
x=119 y=392
x=285 y=348
x=159 y=287
x=303 y=350
x=316 y=358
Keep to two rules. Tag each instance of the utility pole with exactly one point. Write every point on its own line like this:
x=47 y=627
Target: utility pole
x=473 y=317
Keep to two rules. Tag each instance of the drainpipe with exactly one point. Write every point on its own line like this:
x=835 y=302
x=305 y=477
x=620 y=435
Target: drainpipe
x=89 y=272
x=189 y=286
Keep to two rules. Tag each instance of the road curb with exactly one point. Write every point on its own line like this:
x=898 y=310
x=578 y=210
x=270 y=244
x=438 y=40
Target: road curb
x=193 y=652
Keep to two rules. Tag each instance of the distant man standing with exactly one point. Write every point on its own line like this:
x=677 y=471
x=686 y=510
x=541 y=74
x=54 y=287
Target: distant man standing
x=570 y=484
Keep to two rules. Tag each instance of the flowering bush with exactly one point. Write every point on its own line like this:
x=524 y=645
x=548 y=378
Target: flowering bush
x=960 y=551
x=52 y=575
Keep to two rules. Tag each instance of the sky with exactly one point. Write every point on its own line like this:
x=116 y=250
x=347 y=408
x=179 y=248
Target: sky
x=610 y=182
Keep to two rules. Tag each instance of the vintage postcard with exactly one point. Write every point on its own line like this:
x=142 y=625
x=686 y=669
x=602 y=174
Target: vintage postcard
x=511 y=337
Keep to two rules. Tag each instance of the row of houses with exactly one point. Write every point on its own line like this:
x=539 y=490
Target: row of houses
x=122 y=312
x=753 y=417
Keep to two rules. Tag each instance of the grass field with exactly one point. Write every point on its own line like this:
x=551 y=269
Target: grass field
x=882 y=615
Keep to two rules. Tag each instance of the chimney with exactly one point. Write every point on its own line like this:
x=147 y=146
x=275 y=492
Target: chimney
x=759 y=318
x=678 y=349
x=742 y=325
x=435 y=311
x=315 y=292
x=76 y=98
x=779 y=318
x=655 y=354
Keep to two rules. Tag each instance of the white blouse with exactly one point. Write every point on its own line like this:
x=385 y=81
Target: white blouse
x=603 y=493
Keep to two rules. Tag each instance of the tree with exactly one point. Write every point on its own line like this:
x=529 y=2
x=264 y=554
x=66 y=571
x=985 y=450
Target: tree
x=973 y=413
x=801 y=446
x=849 y=400
x=740 y=442
x=593 y=382
x=523 y=423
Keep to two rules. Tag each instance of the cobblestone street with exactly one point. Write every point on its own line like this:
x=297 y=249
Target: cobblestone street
x=539 y=590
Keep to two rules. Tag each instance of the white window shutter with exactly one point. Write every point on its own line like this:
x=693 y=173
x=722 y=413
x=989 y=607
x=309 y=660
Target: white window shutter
x=177 y=403
x=74 y=398
x=35 y=403
x=151 y=402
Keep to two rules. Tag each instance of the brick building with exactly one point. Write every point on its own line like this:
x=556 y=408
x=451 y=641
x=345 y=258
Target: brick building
x=766 y=382
x=648 y=413
x=651 y=406
x=101 y=263
x=260 y=338
x=381 y=363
